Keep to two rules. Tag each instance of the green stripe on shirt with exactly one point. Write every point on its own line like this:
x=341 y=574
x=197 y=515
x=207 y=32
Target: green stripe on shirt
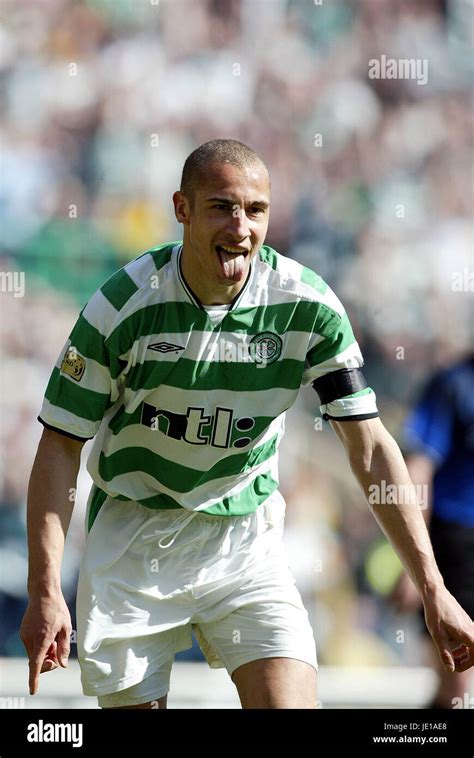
x=178 y=477
x=64 y=393
x=118 y=289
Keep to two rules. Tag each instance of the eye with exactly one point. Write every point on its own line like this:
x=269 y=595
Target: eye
x=221 y=206
x=256 y=210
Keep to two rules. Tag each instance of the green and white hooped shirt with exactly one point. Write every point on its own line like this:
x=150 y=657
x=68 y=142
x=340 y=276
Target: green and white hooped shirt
x=187 y=405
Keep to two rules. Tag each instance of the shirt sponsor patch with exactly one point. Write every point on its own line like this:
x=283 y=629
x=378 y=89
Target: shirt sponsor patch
x=73 y=364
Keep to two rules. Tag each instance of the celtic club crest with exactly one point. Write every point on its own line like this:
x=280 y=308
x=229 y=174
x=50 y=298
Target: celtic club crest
x=265 y=347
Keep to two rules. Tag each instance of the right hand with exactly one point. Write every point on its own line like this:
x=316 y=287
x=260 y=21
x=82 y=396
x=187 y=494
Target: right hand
x=404 y=595
x=45 y=632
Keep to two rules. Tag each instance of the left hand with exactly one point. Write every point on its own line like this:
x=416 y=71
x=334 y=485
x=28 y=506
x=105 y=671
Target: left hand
x=451 y=629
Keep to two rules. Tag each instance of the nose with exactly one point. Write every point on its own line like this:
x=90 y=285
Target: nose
x=238 y=224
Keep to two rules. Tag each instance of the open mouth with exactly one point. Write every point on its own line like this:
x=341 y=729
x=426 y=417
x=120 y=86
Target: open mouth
x=232 y=260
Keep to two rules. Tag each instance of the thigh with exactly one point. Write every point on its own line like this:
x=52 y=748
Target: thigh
x=267 y=646
x=261 y=614
x=276 y=683
x=262 y=629
x=133 y=609
x=151 y=692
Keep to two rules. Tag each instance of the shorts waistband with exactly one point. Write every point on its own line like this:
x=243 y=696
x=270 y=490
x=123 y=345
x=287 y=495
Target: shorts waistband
x=183 y=518
x=175 y=529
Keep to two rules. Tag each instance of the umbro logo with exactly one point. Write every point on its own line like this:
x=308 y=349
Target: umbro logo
x=165 y=347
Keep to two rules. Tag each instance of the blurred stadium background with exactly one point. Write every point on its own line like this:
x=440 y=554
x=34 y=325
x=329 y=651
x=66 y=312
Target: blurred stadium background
x=101 y=102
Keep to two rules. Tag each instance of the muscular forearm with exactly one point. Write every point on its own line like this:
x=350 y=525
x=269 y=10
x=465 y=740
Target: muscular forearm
x=377 y=463
x=384 y=477
x=50 y=505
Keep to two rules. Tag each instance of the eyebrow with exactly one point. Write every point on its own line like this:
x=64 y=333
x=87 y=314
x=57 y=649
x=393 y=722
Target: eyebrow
x=230 y=201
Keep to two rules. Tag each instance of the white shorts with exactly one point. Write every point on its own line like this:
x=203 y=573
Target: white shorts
x=149 y=578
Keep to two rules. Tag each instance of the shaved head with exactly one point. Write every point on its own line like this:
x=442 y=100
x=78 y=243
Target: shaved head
x=216 y=151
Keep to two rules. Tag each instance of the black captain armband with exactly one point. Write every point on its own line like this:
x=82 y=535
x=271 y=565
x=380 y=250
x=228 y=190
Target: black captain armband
x=340 y=383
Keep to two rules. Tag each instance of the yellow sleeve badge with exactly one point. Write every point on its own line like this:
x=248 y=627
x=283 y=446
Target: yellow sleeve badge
x=73 y=364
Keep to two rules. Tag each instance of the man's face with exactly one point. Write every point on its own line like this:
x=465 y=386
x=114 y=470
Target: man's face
x=227 y=224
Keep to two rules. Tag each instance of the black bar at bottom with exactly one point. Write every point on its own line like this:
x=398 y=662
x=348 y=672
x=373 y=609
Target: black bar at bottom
x=220 y=732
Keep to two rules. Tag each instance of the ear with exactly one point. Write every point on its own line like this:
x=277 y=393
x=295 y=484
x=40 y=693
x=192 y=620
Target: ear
x=182 y=209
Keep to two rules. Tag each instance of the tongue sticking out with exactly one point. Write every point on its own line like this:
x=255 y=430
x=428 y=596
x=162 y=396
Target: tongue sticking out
x=232 y=265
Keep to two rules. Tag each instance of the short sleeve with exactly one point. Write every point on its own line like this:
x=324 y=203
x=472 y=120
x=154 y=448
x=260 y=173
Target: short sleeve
x=428 y=428
x=85 y=380
x=334 y=347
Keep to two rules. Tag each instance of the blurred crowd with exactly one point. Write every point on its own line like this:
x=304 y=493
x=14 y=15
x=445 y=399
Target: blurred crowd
x=102 y=101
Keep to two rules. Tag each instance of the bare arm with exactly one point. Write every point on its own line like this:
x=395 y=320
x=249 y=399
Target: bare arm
x=421 y=469
x=378 y=465
x=46 y=626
